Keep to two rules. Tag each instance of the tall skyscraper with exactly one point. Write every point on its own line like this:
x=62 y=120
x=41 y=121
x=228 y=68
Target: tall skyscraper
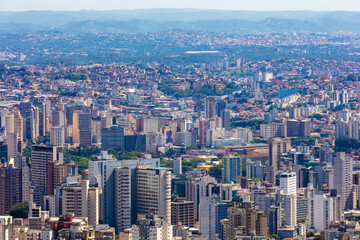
x=43 y=159
x=196 y=188
x=208 y=217
x=154 y=191
x=277 y=147
x=258 y=75
x=82 y=128
x=343 y=171
x=40 y=105
x=323 y=211
x=82 y=201
x=122 y=190
x=10 y=186
x=204 y=126
x=30 y=115
x=232 y=168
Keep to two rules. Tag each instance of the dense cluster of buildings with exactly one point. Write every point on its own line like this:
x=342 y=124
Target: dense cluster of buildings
x=103 y=150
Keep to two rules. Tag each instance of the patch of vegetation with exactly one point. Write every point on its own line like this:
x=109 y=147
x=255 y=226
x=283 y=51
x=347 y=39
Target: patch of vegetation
x=20 y=210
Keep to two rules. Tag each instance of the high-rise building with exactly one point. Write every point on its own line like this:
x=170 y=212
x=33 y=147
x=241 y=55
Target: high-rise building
x=243 y=133
x=101 y=172
x=58 y=118
x=12 y=145
x=43 y=159
x=288 y=182
x=112 y=137
x=273 y=130
x=40 y=105
x=82 y=128
x=289 y=210
x=10 y=186
x=258 y=76
x=277 y=147
x=343 y=171
x=154 y=191
x=30 y=115
x=177 y=166
x=323 y=215
x=256 y=223
x=326 y=155
x=274 y=219
x=196 y=188
x=298 y=128
x=182 y=211
x=204 y=126
x=232 y=168
x=82 y=201
x=234 y=224
x=122 y=190
x=344 y=96
x=57 y=136
x=207 y=221
x=225 y=117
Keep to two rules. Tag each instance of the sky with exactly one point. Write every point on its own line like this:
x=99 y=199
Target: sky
x=267 y=5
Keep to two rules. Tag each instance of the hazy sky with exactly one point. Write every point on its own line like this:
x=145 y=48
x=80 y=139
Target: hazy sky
x=22 y=5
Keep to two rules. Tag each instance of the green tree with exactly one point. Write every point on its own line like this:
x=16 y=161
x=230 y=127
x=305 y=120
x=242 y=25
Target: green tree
x=216 y=171
x=166 y=163
x=20 y=210
x=346 y=144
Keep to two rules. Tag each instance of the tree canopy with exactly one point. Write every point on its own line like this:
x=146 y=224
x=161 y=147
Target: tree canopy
x=20 y=210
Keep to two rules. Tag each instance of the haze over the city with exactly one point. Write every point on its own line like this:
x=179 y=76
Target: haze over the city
x=273 y=5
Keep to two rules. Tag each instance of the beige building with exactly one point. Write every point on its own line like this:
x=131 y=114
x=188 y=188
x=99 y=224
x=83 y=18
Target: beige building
x=82 y=201
x=154 y=191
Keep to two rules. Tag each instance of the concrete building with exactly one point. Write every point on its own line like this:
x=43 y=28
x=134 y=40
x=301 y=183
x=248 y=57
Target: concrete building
x=122 y=190
x=82 y=128
x=10 y=186
x=112 y=137
x=256 y=223
x=43 y=159
x=273 y=130
x=101 y=173
x=207 y=221
x=204 y=126
x=57 y=136
x=243 y=133
x=232 y=168
x=288 y=182
x=323 y=207
x=182 y=211
x=177 y=166
x=152 y=228
x=154 y=191
x=82 y=201
x=343 y=171
x=196 y=188
x=5 y=227
x=277 y=147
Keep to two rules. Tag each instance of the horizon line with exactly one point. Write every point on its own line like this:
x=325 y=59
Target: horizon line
x=193 y=9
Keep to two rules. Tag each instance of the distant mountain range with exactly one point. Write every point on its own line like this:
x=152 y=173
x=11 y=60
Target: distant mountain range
x=152 y=20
